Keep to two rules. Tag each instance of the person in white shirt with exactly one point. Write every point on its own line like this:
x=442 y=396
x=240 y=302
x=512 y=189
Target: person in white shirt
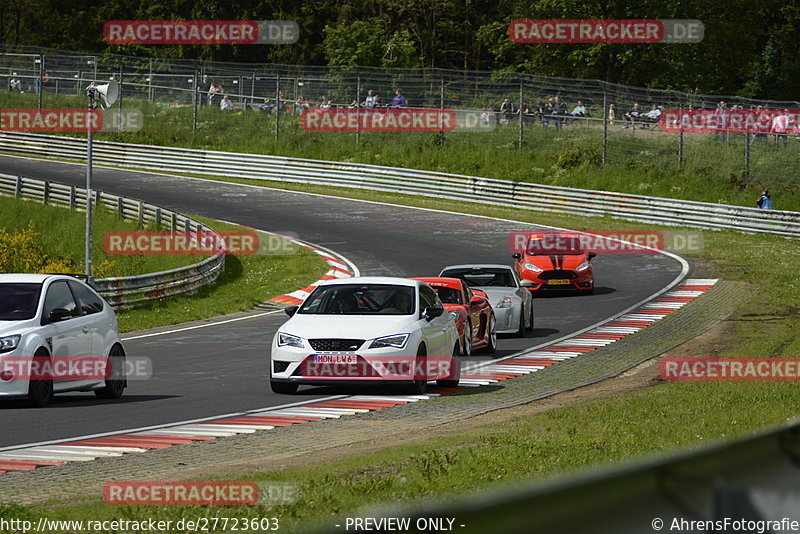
x=579 y=111
x=371 y=99
x=226 y=104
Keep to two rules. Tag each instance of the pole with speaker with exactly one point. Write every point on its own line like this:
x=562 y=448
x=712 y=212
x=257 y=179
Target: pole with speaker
x=103 y=95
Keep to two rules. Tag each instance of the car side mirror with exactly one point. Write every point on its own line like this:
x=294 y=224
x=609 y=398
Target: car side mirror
x=291 y=310
x=525 y=283
x=432 y=312
x=591 y=255
x=58 y=314
x=477 y=301
x=517 y=256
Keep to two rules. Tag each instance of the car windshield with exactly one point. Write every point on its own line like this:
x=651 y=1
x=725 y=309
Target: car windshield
x=448 y=295
x=359 y=299
x=483 y=277
x=554 y=244
x=18 y=302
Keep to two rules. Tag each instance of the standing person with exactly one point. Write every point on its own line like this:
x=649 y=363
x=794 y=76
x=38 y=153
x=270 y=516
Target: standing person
x=399 y=100
x=202 y=90
x=780 y=127
x=559 y=110
x=507 y=109
x=214 y=92
x=764 y=201
x=549 y=109
x=611 y=114
x=371 y=99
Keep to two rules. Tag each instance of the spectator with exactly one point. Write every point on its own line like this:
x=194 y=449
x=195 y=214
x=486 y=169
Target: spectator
x=487 y=116
x=202 y=90
x=324 y=103
x=267 y=106
x=225 y=104
x=633 y=115
x=611 y=114
x=214 y=92
x=15 y=84
x=507 y=109
x=301 y=105
x=399 y=100
x=780 y=127
x=371 y=99
x=547 y=112
x=579 y=110
x=559 y=110
x=764 y=201
x=762 y=122
x=528 y=114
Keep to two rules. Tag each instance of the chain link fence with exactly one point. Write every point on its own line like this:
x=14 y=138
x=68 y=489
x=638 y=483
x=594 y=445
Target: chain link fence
x=592 y=120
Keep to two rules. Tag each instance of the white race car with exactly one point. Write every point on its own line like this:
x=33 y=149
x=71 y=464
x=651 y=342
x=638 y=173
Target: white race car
x=364 y=331
x=57 y=334
x=508 y=295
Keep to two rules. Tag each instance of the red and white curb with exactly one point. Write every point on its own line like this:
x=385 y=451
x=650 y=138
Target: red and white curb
x=90 y=448
x=338 y=269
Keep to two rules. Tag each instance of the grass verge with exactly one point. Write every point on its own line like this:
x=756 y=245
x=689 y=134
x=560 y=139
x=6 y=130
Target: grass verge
x=652 y=420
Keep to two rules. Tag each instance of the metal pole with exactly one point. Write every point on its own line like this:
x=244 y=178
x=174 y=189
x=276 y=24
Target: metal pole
x=41 y=79
x=150 y=83
x=253 y=89
x=119 y=98
x=605 y=127
x=195 y=100
x=278 y=105
x=680 y=140
x=358 y=109
x=747 y=157
x=441 y=106
x=88 y=240
x=521 y=127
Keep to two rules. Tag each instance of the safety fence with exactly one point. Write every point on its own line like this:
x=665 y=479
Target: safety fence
x=128 y=291
x=592 y=112
x=414 y=182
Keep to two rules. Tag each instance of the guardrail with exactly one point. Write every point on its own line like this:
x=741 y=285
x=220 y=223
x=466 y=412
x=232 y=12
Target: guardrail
x=127 y=291
x=414 y=182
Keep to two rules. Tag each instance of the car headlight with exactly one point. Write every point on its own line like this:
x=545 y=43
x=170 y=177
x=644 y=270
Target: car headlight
x=583 y=266
x=397 y=341
x=9 y=343
x=505 y=302
x=455 y=314
x=289 y=340
x=532 y=267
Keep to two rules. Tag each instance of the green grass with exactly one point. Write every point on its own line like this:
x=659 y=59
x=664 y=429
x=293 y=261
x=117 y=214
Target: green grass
x=586 y=435
x=248 y=280
x=638 y=162
x=67 y=243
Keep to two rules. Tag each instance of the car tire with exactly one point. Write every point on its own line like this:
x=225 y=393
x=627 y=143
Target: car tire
x=467 y=341
x=491 y=347
x=283 y=388
x=531 y=321
x=40 y=392
x=454 y=382
x=419 y=387
x=521 y=330
x=114 y=387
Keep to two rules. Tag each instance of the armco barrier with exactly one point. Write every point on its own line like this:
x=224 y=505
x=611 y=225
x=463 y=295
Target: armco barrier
x=127 y=291
x=414 y=182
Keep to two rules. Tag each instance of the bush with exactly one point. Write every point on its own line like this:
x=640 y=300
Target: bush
x=21 y=252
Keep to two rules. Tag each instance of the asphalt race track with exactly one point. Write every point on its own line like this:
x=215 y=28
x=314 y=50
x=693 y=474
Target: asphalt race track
x=222 y=369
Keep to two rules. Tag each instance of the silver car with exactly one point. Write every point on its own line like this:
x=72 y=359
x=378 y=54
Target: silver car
x=510 y=298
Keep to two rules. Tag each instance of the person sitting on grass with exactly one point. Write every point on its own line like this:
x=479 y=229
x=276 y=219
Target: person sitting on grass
x=226 y=104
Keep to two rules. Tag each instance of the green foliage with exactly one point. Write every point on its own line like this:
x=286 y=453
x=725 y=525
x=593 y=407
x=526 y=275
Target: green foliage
x=367 y=43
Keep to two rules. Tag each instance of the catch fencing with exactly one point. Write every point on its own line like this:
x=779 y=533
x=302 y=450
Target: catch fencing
x=276 y=90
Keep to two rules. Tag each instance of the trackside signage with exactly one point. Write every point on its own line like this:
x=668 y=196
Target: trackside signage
x=201 y=32
x=384 y=120
x=606 y=31
x=50 y=120
x=732 y=121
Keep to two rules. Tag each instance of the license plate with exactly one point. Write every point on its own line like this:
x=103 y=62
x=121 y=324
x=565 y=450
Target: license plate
x=557 y=282
x=335 y=358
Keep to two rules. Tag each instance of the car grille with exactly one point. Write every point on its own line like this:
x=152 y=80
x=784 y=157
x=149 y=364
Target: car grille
x=336 y=345
x=558 y=275
x=279 y=366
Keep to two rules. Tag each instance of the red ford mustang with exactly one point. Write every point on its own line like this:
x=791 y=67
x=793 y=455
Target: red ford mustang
x=477 y=326
x=555 y=260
